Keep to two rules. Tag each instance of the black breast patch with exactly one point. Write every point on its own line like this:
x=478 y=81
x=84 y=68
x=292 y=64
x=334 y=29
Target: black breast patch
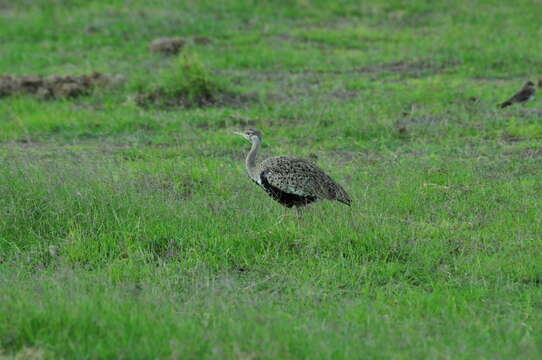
x=282 y=197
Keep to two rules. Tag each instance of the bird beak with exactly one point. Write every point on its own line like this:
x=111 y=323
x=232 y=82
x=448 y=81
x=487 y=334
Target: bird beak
x=238 y=133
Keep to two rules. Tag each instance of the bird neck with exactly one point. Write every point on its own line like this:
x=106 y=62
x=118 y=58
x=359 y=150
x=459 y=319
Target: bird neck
x=251 y=160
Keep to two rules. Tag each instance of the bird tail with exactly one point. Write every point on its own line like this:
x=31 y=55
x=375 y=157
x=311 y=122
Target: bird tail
x=342 y=196
x=505 y=104
x=345 y=201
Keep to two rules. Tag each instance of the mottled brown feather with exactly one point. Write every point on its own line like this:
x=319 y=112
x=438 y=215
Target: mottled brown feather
x=301 y=177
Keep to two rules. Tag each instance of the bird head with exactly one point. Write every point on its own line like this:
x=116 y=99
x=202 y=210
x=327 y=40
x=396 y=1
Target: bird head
x=528 y=84
x=250 y=134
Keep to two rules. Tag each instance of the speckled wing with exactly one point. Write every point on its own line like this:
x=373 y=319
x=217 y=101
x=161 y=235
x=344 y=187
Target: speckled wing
x=301 y=177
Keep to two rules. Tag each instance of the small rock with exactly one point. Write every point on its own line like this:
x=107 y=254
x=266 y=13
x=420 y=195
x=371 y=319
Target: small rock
x=167 y=45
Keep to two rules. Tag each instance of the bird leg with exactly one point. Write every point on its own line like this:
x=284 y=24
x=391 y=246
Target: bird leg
x=299 y=212
x=284 y=214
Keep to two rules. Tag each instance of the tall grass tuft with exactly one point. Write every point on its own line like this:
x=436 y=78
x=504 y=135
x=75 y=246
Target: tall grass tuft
x=189 y=83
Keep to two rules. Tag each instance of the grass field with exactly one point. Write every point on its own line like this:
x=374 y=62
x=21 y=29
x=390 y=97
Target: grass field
x=133 y=232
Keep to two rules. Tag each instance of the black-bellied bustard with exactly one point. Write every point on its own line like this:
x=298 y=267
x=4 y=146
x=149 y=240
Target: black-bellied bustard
x=290 y=181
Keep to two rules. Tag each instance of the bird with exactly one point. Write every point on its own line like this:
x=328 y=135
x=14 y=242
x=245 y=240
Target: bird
x=288 y=180
x=523 y=96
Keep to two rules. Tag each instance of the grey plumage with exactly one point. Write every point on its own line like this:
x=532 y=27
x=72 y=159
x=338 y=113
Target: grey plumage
x=291 y=181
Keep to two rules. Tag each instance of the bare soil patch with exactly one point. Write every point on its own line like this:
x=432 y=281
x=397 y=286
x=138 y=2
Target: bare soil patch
x=306 y=75
x=423 y=120
x=164 y=99
x=508 y=138
x=55 y=86
x=529 y=153
x=400 y=67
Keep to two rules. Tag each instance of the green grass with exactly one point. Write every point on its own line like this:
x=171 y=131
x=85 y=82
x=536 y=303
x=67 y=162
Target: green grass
x=133 y=232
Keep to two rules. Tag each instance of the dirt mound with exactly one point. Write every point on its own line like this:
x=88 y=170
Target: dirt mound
x=167 y=45
x=55 y=86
